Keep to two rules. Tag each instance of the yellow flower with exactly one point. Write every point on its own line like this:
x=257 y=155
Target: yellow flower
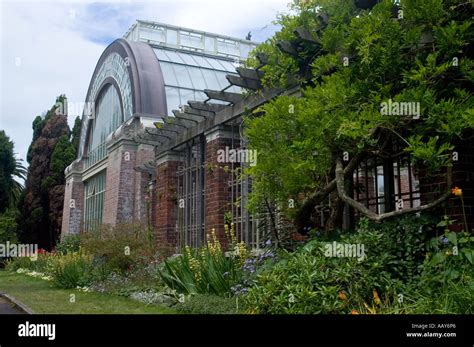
x=355 y=312
x=376 y=297
x=456 y=191
x=342 y=296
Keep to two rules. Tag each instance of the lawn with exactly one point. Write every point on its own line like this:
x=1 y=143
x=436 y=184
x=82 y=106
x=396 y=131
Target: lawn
x=42 y=297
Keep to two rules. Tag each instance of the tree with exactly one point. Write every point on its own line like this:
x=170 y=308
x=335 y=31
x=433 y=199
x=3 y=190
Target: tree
x=50 y=153
x=12 y=172
x=76 y=134
x=349 y=63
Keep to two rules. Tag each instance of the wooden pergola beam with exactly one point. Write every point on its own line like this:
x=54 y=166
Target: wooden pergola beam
x=287 y=47
x=224 y=96
x=249 y=73
x=244 y=82
x=206 y=106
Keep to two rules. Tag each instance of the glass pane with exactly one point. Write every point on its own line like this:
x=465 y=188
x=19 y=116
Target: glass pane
x=161 y=55
x=191 y=40
x=222 y=80
x=172 y=99
x=174 y=57
x=108 y=117
x=215 y=64
x=228 y=65
x=200 y=96
x=172 y=36
x=168 y=74
x=152 y=34
x=211 y=80
x=197 y=78
x=200 y=61
x=183 y=76
x=187 y=59
x=227 y=47
x=210 y=44
x=235 y=89
x=186 y=95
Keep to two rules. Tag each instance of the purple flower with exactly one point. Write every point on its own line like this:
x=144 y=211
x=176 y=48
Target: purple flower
x=444 y=240
x=268 y=242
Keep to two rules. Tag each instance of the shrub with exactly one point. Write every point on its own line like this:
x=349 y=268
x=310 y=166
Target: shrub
x=208 y=270
x=70 y=243
x=309 y=281
x=304 y=282
x=19 y=263
x=211 y=304
x=72 y=270
x=119 y=247
x=399 y=244
x=446 y=284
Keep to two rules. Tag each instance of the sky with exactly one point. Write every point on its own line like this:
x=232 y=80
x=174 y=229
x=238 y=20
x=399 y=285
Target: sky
x=51 y=48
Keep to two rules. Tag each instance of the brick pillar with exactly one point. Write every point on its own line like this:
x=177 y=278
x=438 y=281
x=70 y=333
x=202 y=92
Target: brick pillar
x=217 y=193
x=145 y=154
x=463 y=177
x=73 y=208
x=119 y=199
x=167 y=199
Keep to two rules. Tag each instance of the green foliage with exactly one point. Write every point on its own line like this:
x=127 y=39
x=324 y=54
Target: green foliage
x=201 y=272
x=311 y=281
x=210 y=304
x=20 y=263
x=11 y=171
x=64 y=154
x=119 y=247
x=38 y=124
x=69 y=244
x=76 y=134
x=72 y=270
x=8 y=226
x=400 y=244
x=407 y=60
x=208 y=270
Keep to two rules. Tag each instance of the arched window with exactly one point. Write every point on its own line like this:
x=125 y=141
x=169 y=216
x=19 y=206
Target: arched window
x=108 y=117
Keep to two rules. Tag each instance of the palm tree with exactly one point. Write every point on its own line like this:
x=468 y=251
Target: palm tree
x=17 y=179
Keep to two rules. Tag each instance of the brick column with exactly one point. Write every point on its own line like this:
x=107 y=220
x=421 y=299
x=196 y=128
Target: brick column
x=167 y=199
x=142 y=203
x=119 y=199
x=463 y=177
x=217 y=193
x=73 y=208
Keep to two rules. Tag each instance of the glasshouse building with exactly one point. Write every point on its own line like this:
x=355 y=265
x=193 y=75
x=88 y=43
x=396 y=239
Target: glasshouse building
x=163 y=104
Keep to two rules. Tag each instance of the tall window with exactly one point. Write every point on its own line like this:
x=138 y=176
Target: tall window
x=94 y=190
x=108 y=117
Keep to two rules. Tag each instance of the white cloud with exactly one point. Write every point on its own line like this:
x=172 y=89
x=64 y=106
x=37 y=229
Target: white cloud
x=57 y=45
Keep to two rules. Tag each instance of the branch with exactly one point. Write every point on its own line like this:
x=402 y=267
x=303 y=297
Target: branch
x=332 y=185
x=379 y=217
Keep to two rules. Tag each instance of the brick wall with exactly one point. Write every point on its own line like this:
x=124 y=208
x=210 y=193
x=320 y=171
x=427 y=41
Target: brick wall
x=218 y=193
x=73 y=217
x=167 y=204
x=119 y=197
x=145 y=153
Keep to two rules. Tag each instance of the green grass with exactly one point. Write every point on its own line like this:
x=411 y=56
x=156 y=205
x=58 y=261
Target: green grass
x=42 y=297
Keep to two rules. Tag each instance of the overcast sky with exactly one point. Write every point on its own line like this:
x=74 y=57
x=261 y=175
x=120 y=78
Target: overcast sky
x=51 y=48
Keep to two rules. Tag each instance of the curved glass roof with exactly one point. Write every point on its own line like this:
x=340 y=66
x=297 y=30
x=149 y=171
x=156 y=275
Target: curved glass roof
x=187 y=74
x=191 y=60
